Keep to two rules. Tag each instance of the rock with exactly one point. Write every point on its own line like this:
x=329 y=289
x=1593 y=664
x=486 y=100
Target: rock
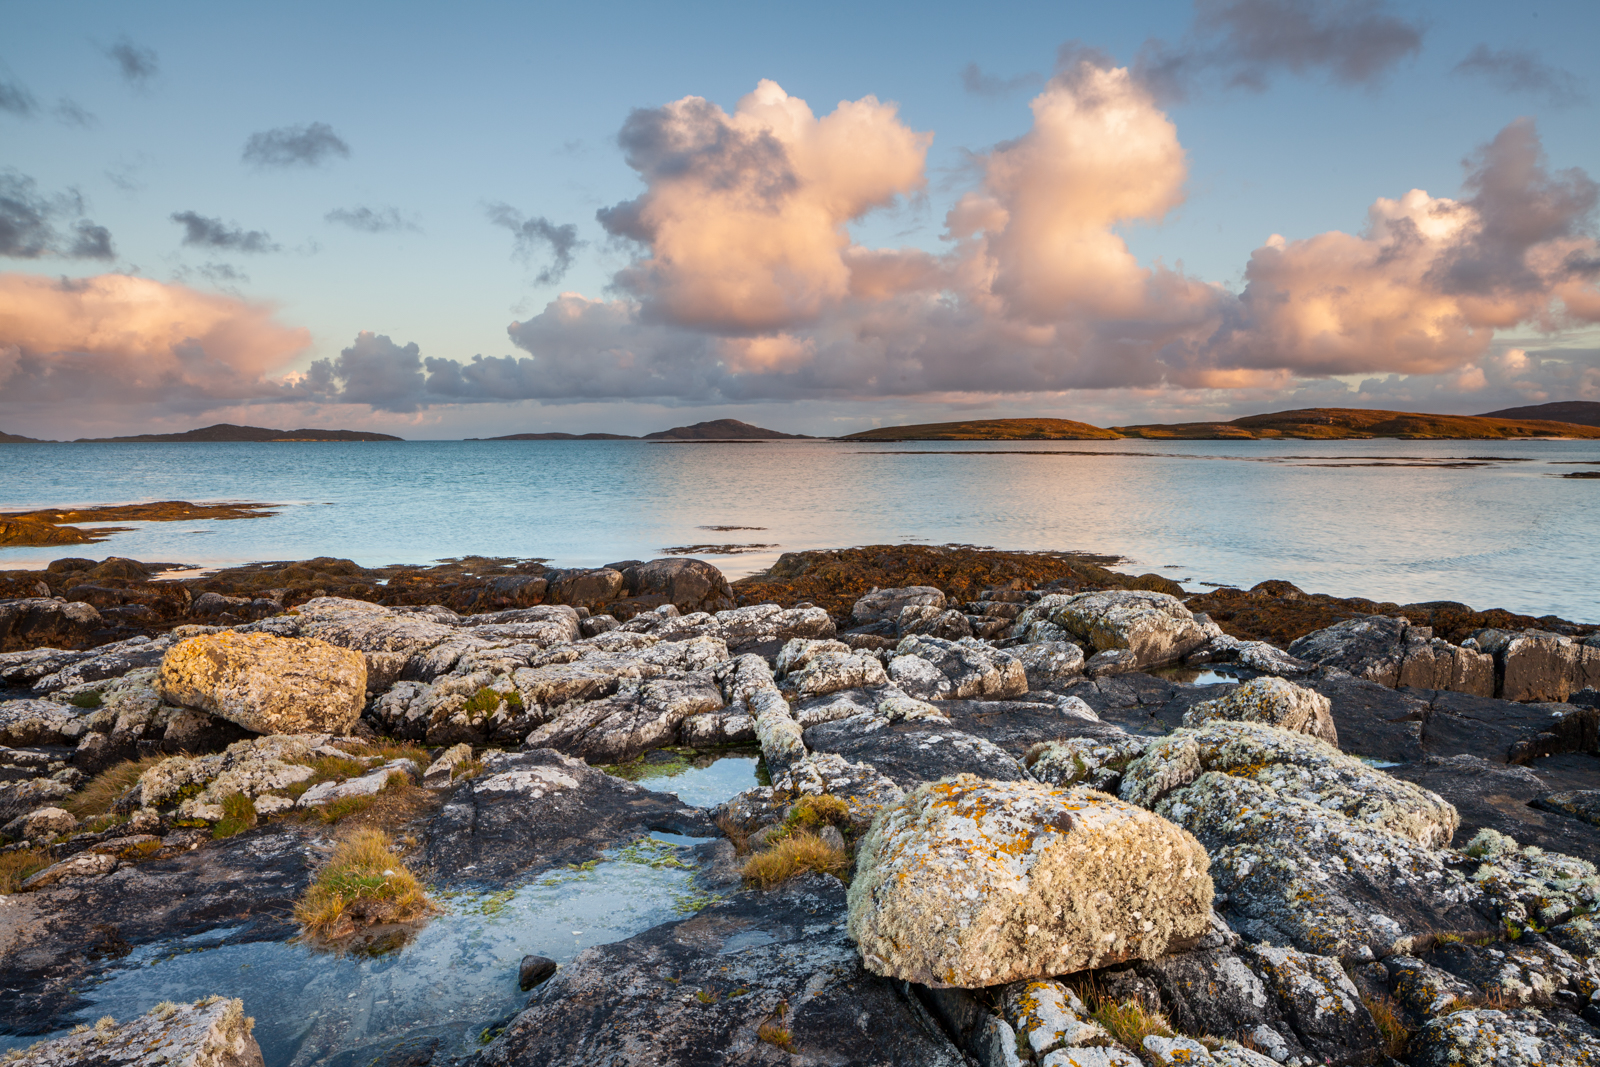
x=1371 y=647
x=761 y=627
x=1049 y=663
x=1111 y=661
x=268 y=806
x=703 y=987
x=1216 y=992
x=1538 y=665
x=1529 y=885
x=1097 y=761
x=965 y=669
x=528 y=811
x=1422 y=988
x=972 y=883
x=631 y=722
x=83 y=865
x=40 y=823
x=1504 y=798
x=1576 y=803
x=1311 y=846
x=213 y=1032
x=37 y=722
x=910 y=753
x=1156 y=627
x=863 y=789
x=441 y=772
x=831 y=671
x=1272 y=701
x=20 y=797
x=1320 y=1002
x=1374 y=720
x=687 y=584
x=367 y=785
x=883 y=604
x=1481 y=1037
x=588 y=588
x=37 y=622
x=534 y=970
x=269 y=685
x=1047 y=1017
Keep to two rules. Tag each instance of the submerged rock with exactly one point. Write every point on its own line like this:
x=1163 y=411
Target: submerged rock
x=270 y=685
x=973 y=883
x=214 y=1032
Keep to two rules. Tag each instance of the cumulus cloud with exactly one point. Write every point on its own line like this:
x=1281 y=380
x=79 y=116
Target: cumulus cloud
x=368 y=220
x=203 y=232
x=294 y=146
x=531 y=233
x=1245 y=42
x=28 y=228
x=136 y=64
x=976 y=82
x=1519 y=70
x=121 y=339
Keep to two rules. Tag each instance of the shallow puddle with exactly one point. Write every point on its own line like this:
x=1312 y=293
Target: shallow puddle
x=1196 y=676
x=456 y=977
x=703 y=781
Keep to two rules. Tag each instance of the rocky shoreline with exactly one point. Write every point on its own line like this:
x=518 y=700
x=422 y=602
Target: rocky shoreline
x=1012 y=808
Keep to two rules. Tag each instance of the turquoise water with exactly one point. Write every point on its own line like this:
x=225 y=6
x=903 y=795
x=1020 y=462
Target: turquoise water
x=1391 y=520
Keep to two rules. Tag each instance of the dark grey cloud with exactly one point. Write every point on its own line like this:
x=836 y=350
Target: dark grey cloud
x=1518 y=70
x=71 y=113
x=1246 y=42
x=533 y=233
x=28 y=229
x=976 y=82
x=136 y=65
x=367 y=220
x=203 y=232
x=294 y=146
x=17 y=100
x=373 y=371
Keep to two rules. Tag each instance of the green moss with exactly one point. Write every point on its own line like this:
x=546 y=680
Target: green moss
x=238 y=815
x=90 y=699
x=487 y=701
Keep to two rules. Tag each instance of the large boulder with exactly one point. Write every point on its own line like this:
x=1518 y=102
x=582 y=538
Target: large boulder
x=1272 y=701
x=1312 y=847
x=887 y=604
x=972 y=883
x=213 y=1032
x=1155 y=627
x=934 y=668
x=1539 y=665
x=37 y=622
x=690 y=585
x=1388 y=650
x=270 y=685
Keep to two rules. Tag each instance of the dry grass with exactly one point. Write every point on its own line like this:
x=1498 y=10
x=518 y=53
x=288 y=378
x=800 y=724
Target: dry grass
x=16 y=867
x=774 y=1033
x=818 y=811
x=800 y=851
x=1130 y=1022
x=105 y=788
x=736 y=832
x=1391 y=1024
x=391 y=750
x=364 y=882
x=238 y=815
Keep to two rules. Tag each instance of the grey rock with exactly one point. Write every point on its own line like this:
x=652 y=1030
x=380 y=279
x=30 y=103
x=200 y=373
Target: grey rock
x=1216 y=992
x=889 y=603
x=1481 y=1037
x=969 y=668
x=214 y=1032
x=911 y=753
x=41 y=621
x=535 y=970
x=1581 y=804
x=1489 y=795
x=1320 y=1002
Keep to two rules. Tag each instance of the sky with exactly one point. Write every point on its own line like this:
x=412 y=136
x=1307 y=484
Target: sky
x=462 y=221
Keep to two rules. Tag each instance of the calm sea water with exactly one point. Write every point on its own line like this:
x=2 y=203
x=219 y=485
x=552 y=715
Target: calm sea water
x=1390 y=520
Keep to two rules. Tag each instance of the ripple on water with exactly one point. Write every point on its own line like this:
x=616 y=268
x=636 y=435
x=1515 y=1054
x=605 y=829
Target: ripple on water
x=457 y=976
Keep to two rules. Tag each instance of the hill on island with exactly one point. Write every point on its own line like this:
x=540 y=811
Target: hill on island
x=722 y=430
x=14 y=439
x=1355 y=423
x=989 y=430
x=1581 y=412
x=223 y=431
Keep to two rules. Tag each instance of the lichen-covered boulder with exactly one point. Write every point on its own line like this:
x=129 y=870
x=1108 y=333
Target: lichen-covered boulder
x=35 y=622
x=1272 y=701
x=971 y=883
x=883 y=604
x=960 y=670
x=213 y=1032
x=43 y=822
x=1482 y=1037
x=1313 y=847
x=1155 y=627
x=1096 y=761
x=270 y=685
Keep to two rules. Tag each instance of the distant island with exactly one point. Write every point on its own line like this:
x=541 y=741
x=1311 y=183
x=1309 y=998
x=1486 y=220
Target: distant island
x=1582 y=412
x=989 y=430
x=715 y=430
x=223 y=431
x=1329 y=424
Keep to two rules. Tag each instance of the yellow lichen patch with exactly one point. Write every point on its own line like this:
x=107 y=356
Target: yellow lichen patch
x=364 y=882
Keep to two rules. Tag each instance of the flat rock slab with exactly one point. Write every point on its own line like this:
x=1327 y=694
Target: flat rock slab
x=1017 y=726
x=1494 y=796
x=1480 y=726
x=911 y=753
x=1142 y=703
x=1375 y=721
x=213 y=1032
x=697 y=992
x=528 y=811
x=55 y=938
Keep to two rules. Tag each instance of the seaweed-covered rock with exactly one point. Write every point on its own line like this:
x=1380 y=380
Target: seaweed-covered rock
x=1313 y=847
x=1155 y=627
x=1272 y=701
x=36 y=622
x=972 y=883
x=213 y=1032
x=1482 y=1037
x=270 y=685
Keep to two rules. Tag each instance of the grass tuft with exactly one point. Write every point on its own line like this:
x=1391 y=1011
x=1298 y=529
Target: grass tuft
x=1392 y=1028
x=487 y=701
x=774 y=1033
x=238 y=815
x=815 y=812
x=799 y=852
x=364 y=882
x=17 y=867
x=87 y=699
x=104 y=789
x=736 y=832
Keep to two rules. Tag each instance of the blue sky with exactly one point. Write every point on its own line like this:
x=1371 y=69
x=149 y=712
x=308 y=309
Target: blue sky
x=445 y=112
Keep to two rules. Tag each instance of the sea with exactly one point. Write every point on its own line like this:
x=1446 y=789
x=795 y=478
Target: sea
x=1490 y=524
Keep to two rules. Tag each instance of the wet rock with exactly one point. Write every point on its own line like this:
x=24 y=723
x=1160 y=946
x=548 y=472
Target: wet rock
x=965 y=669
x=1481 y=1037
x=971 y=883
x=213 y=1032
x=37 y=622
x=535 y=970
x=713 y=981
x=1155 y=627
x=1458 y=722
x=1320 y=1002
x=1312 y=847
x=527 y=811
x=269 y=685
x=1274 y=702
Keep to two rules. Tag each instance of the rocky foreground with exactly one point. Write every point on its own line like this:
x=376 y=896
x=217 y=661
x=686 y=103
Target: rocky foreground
x=1375 y=842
